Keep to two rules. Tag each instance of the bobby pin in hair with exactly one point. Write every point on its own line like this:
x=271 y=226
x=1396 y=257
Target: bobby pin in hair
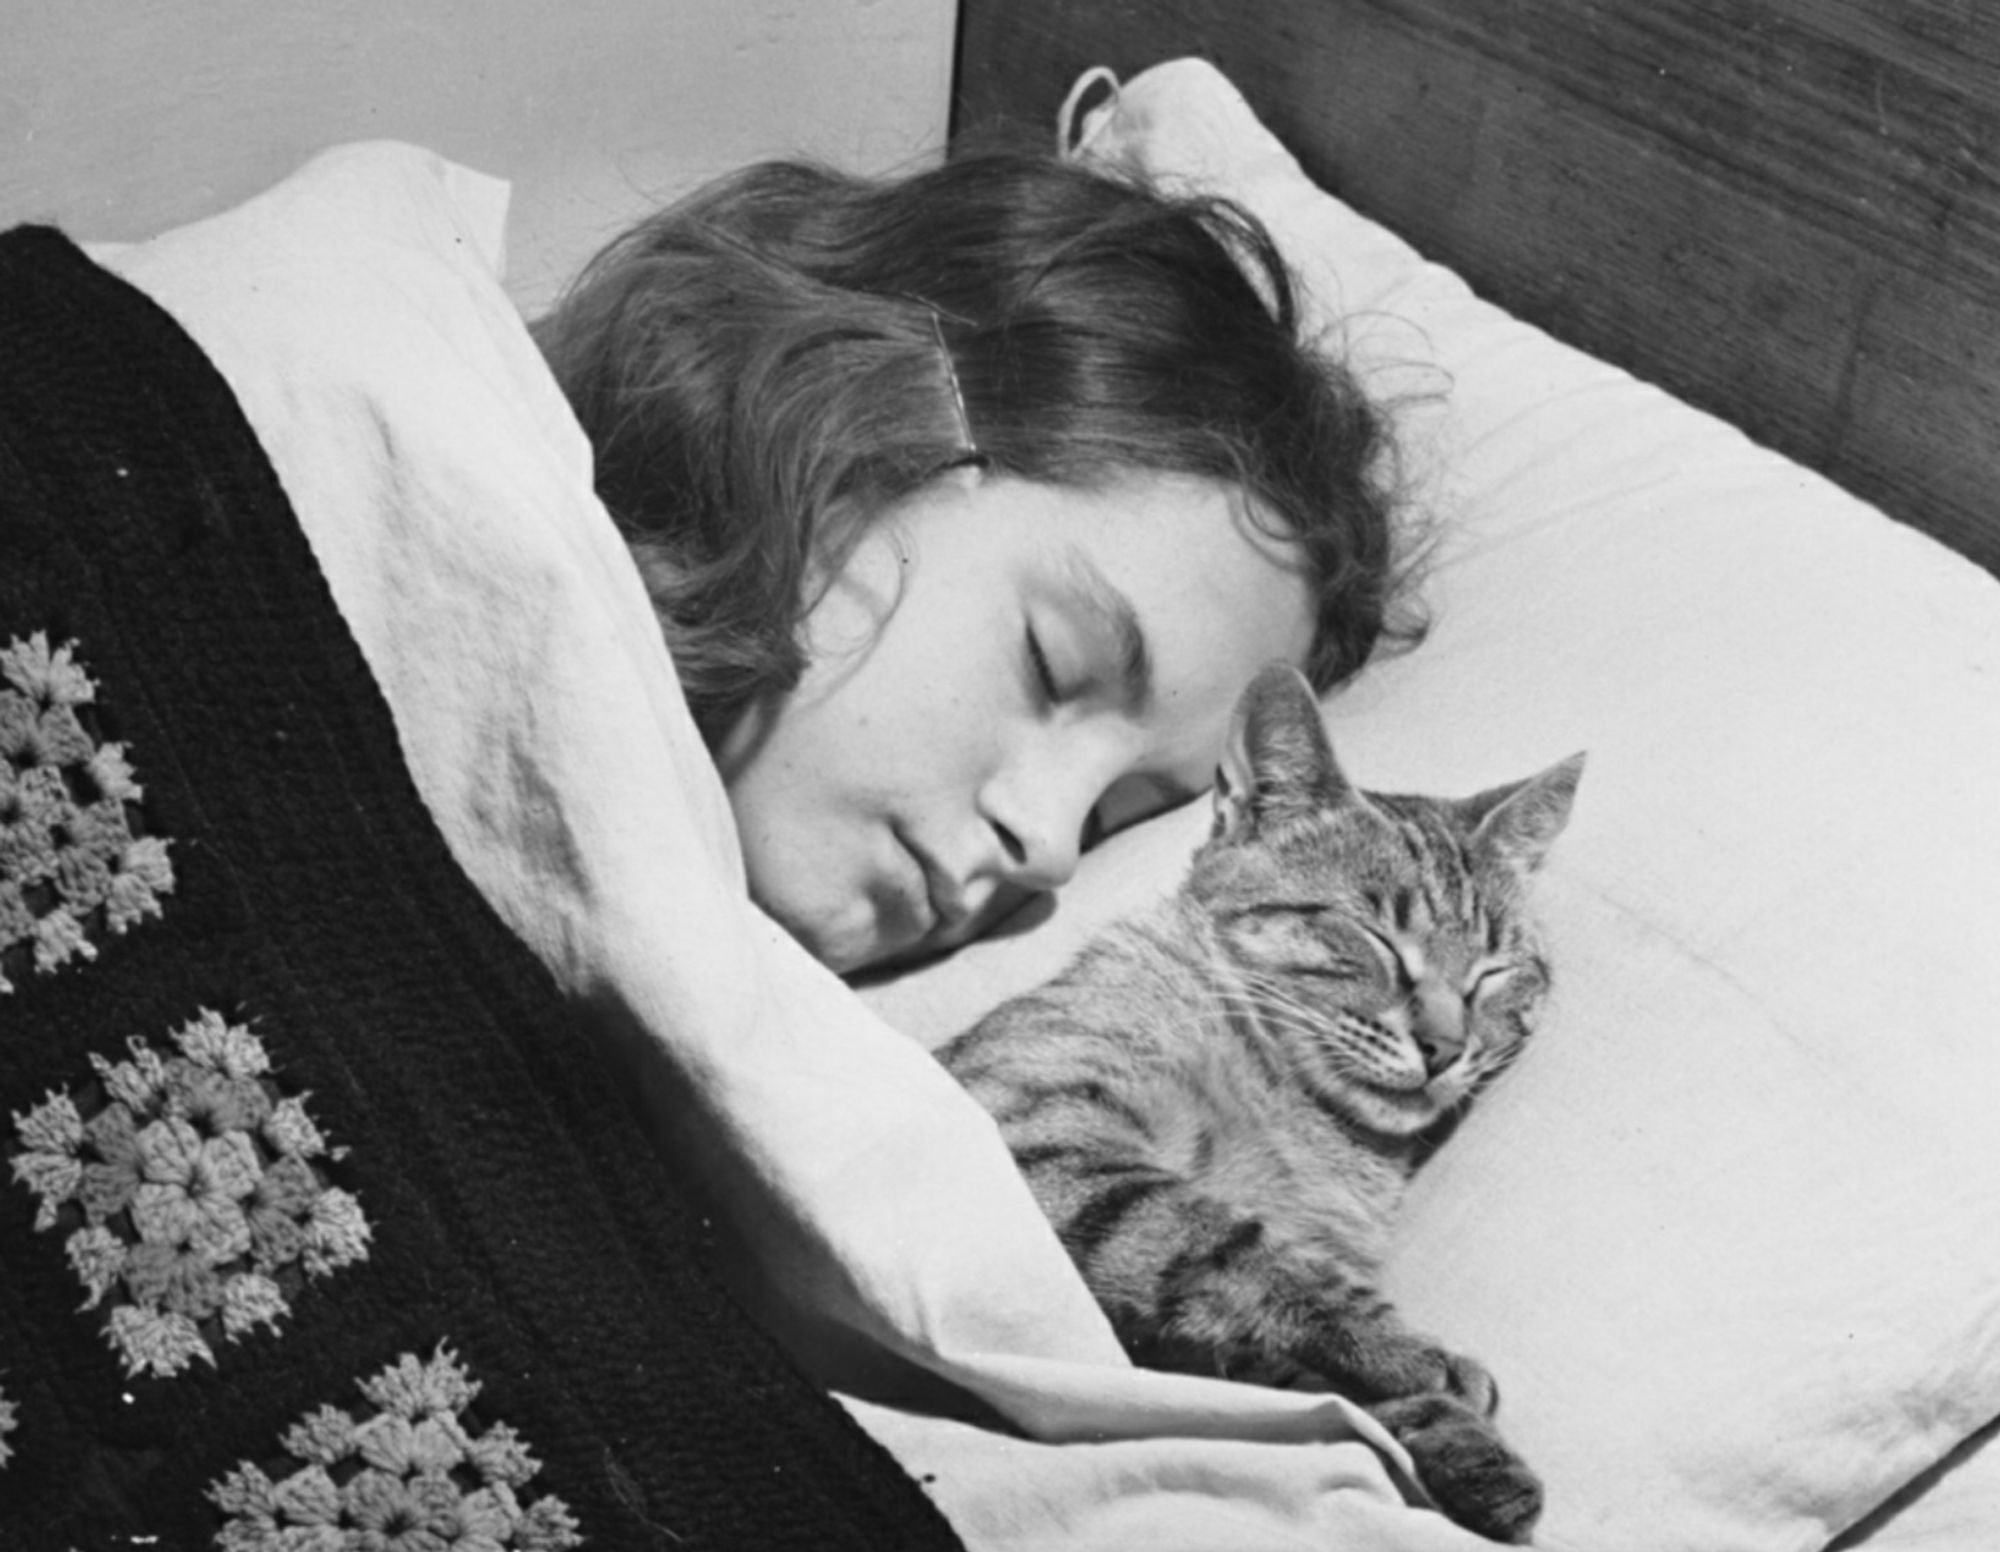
x=965 y=440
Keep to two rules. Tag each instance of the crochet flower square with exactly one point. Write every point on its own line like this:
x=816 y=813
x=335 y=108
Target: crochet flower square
x=71 y=869
x=194 y=1191
x=407 y=1475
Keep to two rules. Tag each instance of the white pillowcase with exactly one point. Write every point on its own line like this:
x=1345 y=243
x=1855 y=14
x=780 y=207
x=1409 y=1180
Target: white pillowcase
x=1730 y=1234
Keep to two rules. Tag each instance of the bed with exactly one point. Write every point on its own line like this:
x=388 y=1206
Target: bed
x=1727 y=1237
x=1782 y=216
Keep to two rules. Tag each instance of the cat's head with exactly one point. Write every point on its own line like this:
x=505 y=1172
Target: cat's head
x=1383 y=940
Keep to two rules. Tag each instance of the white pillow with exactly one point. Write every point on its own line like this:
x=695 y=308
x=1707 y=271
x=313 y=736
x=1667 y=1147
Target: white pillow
x=1730 y=1235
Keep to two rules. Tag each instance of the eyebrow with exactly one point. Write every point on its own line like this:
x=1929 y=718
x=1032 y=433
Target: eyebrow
x=1112 y=612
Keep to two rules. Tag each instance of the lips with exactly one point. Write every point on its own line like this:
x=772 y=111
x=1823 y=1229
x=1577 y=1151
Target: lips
x=943 y=896
x=938 y=901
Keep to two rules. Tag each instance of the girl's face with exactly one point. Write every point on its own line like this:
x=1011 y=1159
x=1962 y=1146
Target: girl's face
x=1002 y=670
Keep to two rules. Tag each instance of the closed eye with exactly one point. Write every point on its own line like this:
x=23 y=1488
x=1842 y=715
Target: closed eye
x=1308 y=966
x=1380 y=939
x=1335 y=969
x=1039 y=669
x=1393 y=959
x=1281 y=907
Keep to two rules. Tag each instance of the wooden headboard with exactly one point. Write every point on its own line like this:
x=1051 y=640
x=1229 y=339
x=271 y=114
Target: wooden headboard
x=1786 y=212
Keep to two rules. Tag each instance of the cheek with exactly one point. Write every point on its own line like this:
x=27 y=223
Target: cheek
x=1502 y=1019
x=899 y=682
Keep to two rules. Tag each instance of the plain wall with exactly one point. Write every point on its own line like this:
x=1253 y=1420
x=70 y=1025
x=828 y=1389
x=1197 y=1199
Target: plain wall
x=120 y=118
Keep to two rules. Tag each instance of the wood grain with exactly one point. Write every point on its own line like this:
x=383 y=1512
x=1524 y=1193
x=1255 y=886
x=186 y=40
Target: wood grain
x=1787 y=212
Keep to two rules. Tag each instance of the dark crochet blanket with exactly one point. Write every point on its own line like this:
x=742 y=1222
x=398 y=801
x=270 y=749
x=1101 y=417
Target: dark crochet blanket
x=322 y=1224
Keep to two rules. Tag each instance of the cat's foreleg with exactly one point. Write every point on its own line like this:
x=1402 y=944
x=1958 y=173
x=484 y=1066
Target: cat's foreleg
x=1371 y=1354
x=1191 y=1278
x=1195 y=1284
x=1472 y=1473
x=1271 y=1309
x=1264 y=1311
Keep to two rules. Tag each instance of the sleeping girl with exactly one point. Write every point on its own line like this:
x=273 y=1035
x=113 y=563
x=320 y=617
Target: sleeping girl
x=387 y=1143
x=968 y=503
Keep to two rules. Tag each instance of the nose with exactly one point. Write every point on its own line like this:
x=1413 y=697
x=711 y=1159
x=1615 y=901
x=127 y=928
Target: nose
x=1036 y=825
x=1439 y=1026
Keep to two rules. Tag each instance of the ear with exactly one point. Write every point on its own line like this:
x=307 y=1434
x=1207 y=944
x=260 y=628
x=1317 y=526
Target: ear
x=1516 y=824
x=1277 y=762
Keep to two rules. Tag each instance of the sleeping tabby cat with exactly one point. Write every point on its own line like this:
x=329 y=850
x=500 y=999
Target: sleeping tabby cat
x=1219 y=1103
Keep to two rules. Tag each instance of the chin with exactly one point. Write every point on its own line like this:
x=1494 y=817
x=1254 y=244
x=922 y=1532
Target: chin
x=843 y=947
x=834 y=938
x=856 y=936
x=895 y=961
x=845 y=960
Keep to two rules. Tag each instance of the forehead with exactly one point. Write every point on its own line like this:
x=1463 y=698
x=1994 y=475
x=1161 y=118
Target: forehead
x=1408 y=849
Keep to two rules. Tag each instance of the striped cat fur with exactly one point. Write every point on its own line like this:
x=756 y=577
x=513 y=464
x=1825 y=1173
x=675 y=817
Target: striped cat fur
x=1219 y=1102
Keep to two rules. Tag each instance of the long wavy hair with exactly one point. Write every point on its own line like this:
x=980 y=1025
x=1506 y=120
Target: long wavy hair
x=766 y=365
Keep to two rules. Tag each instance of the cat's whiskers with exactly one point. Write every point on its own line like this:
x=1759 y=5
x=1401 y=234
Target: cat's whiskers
x=1282 y=1030
x=1491 y=1061
x=1335 y=1040
x=1274 y=1007
x=1314 y=1018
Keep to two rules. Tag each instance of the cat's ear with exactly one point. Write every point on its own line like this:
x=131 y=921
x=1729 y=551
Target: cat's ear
x=1277 y=762
x=1517 y=823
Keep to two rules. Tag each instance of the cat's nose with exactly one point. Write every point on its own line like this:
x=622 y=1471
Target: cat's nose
x=1439 y=1027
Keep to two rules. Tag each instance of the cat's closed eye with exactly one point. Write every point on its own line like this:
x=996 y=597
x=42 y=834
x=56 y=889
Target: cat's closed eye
x=1401 y=965
x=1299 y=939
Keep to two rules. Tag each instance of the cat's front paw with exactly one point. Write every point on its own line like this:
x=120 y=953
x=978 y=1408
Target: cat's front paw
x=1465 y=1465
x=1390 y=1363
x=1468 y=1380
